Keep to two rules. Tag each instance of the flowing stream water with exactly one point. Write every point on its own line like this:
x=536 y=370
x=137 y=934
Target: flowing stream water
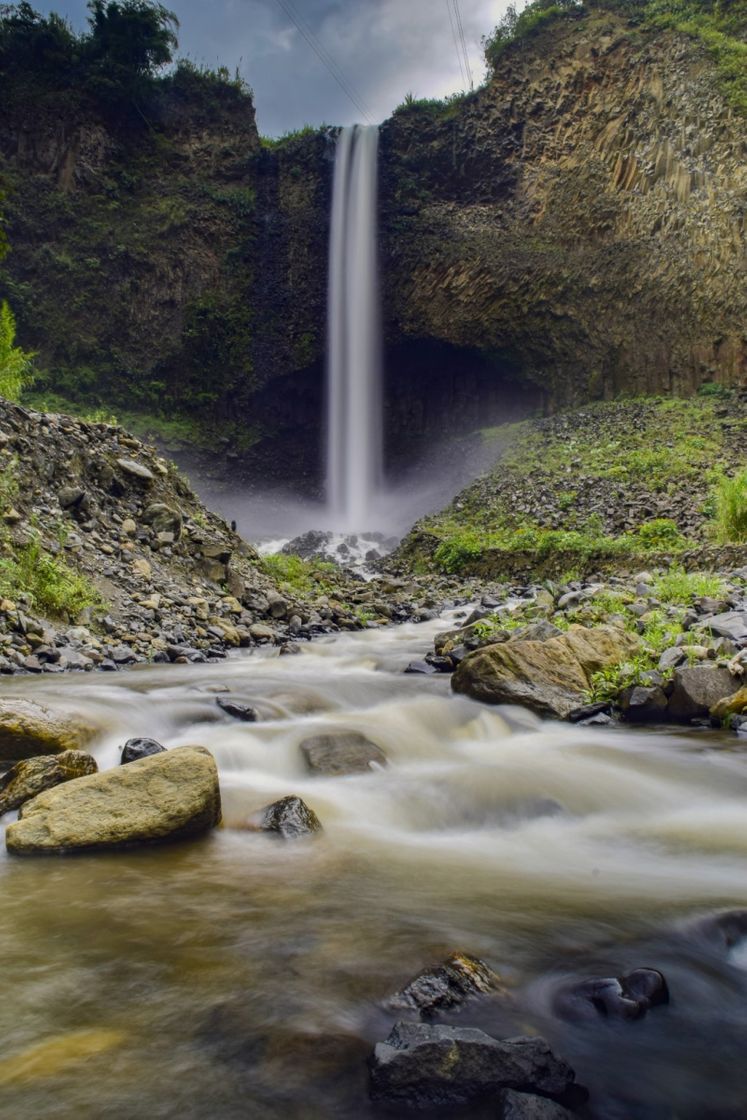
x=241 y=976
x=354 y=426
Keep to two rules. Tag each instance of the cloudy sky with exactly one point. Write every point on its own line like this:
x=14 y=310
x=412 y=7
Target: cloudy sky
x=382 y=49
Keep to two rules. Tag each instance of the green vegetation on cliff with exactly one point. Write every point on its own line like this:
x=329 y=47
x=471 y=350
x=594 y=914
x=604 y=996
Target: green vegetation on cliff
x=613 y=484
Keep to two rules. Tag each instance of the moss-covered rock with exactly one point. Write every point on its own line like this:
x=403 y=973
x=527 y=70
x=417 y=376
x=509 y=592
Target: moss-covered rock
x=27 y=779
x=165 y=797
x=550 y=678
x=28 y=729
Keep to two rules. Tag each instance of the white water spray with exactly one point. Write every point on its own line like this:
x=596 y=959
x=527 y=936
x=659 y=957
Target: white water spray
x=354 y=427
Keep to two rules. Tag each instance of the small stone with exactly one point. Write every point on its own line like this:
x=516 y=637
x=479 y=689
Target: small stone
x=129 y=527
x=445 y=987
x=242 y=712
x=139 y=748
x=290 y=818
x=142 y=568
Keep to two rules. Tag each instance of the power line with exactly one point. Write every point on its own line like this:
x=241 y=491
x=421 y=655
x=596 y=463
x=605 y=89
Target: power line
x=460 y=27
x=456 y=41
x=324 y=57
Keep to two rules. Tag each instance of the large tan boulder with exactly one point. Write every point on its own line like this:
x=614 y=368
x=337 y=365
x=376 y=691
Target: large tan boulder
x=550 y=678
x=733 y=705
x=28 y=729
x=164 y=797
x=31 y=777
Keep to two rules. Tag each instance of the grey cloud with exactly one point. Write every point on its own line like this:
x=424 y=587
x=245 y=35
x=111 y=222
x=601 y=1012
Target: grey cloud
x=384 y=48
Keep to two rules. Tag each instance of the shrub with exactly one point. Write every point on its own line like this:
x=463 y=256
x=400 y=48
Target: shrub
x=680 y=587
x=516 y=25
x=661 y=532
x=16 y=366
x=456 y=551
x=731 y=509
x=52 y=585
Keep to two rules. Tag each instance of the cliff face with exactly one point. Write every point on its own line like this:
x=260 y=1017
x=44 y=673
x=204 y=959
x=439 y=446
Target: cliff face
x=573 y=231
x=582 y=218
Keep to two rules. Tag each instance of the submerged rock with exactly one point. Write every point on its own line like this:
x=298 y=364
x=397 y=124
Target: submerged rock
x=447 y=986
x=551 y=677
x=243 y=712
x=290 y=817
x=28 y=778
x=166 y=797
x=624 y=997
x=140 y=748
x=28 y=729
x=424 y=1066
x=341 y=752
x=55 y=1056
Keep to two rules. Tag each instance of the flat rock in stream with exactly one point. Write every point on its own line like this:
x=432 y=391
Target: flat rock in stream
x=551 y=677
x=28 y=729
x=32 y=776
x=341 y=752
x=166 y=797
x=446 y=986
x=421 y=1066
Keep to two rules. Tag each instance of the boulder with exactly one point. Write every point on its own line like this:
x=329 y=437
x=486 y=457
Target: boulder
x=527 y=1106
x=28 y=729
x=551 y=677
x=734 y=705
x=730 y=624
x=445 y=987
x=290 y=817
x=163 y=519
x=422 y=1066
x=136 y=471
x=139 y=748
x=165 y=797
x=696 y=690
x=643 y=704
x=26 y=779
x=624 y=997
x=341 y=752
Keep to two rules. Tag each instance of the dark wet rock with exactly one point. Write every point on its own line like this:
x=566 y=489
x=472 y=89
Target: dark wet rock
x=26 y=779
x=290 y=818
x=698 y=689
x=139 y=748
x=589 y=711
x=424 y=668
x=243 y=712
x=724 y=930
x=422 y=1066
x=624 y=997
x=643 y=704
x=445 y=987
x=528 y=1106
x=440 y=664
x=341 y=752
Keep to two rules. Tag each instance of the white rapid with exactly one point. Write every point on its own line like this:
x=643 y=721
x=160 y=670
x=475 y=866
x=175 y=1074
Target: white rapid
x=238 y=975
x=354 y=429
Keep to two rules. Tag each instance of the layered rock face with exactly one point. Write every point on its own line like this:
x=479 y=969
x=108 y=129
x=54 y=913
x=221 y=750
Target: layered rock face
x=580 y=219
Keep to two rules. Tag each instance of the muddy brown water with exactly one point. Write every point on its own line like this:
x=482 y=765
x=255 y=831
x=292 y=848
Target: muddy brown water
x=241 y=976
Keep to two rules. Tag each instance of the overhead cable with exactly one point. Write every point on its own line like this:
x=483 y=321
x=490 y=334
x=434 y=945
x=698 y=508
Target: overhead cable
x=455 y=36
x=463 y=41
x=324 y=57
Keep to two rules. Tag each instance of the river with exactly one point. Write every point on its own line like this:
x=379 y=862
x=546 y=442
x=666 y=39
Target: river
x=242 y=976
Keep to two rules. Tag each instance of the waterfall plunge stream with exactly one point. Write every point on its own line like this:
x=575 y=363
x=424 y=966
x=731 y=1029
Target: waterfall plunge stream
x=354 y=437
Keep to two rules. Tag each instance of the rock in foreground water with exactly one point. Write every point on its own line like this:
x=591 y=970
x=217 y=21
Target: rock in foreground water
x=165 y=797
x=423 y=1066
x=527 y=1106
x=28 y=729
x=343 y=752
x=31 y=777
x=447 y=986
x=140 y=748
x=550 y=678
x=290 y=817
x=624 y=997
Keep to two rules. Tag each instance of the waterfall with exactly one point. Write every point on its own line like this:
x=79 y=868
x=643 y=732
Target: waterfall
x=354 y=427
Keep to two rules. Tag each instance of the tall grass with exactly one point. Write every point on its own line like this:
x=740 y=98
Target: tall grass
x=731 y=509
